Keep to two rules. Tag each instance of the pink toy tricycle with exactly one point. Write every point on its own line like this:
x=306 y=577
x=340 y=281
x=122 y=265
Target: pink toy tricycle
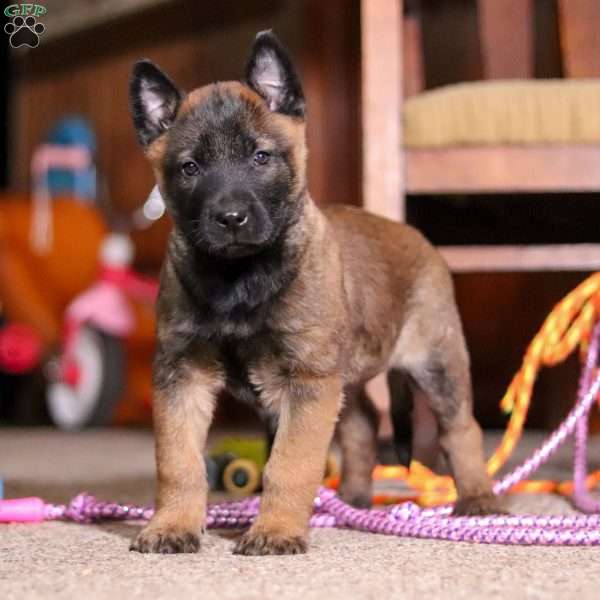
x=88 y=379
x=89 y=324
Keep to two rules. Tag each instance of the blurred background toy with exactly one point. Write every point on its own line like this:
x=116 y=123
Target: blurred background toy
x=74 y=310
x=97 y=376
x=236 y=464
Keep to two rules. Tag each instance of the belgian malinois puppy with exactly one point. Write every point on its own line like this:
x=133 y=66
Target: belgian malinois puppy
x=285 y=304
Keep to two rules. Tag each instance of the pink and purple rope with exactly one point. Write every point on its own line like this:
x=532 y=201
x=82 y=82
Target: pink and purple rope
x=408 y=519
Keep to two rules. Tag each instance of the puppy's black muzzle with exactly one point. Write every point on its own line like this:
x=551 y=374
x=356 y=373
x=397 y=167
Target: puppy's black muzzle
x=233 y=213
x=236 y=223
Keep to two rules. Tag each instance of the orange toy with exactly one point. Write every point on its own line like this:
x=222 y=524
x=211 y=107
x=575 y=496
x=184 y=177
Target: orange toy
x=37 y=287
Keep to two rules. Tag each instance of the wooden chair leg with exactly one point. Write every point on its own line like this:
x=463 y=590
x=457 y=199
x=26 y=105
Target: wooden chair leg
x=383 y=165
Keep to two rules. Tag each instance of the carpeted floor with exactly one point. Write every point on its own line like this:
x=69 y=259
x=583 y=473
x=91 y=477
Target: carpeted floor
x=91 y=562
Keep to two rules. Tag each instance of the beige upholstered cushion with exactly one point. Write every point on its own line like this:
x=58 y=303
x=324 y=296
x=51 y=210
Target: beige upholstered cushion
x=505 y=112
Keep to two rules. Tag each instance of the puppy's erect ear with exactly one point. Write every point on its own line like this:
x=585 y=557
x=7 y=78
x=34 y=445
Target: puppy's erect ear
x=271 y=74
x=153 y=100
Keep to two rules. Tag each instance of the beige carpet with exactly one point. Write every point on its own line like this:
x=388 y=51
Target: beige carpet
x=61 y=560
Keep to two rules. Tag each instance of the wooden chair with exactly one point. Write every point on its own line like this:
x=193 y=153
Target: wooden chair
x=392 y=77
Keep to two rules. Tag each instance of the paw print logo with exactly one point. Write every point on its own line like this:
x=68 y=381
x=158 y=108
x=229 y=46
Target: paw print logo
x=24 y=32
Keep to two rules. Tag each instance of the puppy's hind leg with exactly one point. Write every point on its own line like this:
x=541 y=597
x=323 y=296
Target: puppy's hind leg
x=357 y=430
x=442 y=375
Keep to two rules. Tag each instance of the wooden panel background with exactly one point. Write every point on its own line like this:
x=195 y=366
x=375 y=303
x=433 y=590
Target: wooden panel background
x=196 y=43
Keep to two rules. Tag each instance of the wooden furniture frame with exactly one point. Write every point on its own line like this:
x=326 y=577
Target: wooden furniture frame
x=392 y=69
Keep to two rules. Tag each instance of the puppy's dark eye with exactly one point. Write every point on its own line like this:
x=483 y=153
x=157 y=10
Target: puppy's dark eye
x=261 y=157
x=190 y=168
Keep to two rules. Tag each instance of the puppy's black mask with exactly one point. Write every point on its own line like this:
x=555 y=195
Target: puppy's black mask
x=225 y=158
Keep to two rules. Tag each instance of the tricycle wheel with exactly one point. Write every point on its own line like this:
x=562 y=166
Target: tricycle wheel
x=96 y=383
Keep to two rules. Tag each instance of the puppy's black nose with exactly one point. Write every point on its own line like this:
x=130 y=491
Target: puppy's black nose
x=233 y=219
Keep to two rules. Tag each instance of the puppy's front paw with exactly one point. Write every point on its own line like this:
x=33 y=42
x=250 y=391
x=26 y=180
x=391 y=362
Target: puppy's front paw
x=261 y=543
x=165 y=541
x=472 y=506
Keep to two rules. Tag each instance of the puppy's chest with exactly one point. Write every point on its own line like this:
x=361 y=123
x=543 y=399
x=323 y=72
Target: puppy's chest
x=253 y=374
x=237 y=376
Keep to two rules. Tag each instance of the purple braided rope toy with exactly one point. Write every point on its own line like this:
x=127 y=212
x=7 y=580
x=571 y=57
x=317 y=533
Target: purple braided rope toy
x=408 y=519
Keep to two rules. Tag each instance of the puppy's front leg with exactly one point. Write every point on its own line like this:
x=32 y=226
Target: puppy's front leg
x=183 y=410
x=309 y=410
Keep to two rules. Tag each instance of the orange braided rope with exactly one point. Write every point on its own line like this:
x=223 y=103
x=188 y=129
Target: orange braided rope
x=568 y=326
